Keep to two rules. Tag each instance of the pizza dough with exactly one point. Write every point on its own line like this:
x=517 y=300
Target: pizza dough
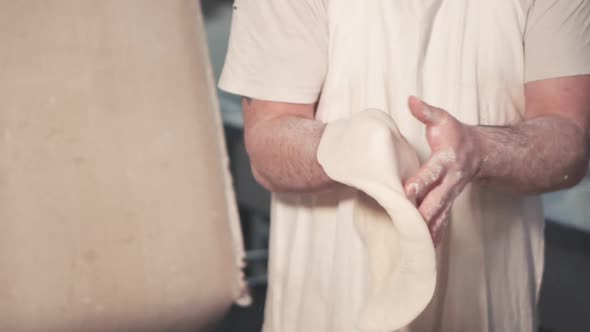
x=367 y=152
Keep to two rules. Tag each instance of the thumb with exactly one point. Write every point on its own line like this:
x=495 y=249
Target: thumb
x=429 y=115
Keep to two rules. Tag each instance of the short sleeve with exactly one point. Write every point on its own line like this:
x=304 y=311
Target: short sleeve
x=277 y=50
x=557 y=39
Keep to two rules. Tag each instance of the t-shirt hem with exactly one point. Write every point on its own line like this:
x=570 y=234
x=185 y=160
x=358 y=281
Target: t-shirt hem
x=259 y=91
x=557 y=74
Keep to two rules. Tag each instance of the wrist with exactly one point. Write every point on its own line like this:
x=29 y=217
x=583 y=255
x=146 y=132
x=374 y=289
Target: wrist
x=481 y=153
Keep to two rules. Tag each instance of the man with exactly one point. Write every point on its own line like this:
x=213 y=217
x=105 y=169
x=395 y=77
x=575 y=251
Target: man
x=507 y=84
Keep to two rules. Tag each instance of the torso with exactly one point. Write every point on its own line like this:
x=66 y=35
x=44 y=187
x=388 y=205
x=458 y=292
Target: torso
x=466 y=57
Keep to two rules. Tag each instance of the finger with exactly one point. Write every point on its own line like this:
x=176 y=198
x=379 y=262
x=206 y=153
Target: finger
x=433 y=204
x=439 y=220
x=440 y=223
x=438 y=199
x=427 y=114
x=427 y=177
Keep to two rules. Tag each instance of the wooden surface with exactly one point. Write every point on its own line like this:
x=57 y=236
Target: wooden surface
x=116 y=212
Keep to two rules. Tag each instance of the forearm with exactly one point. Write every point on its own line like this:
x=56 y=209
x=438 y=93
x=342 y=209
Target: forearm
x=538 y=155
x=283 y=154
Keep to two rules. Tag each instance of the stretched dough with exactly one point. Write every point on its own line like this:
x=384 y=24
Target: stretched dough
x=367 y=151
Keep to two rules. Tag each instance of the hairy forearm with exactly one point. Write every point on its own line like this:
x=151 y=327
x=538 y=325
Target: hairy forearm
x=538 y=155
x=283 y=154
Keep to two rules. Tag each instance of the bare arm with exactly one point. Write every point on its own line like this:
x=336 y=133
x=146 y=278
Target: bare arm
x=550 y=149
x=282 y=141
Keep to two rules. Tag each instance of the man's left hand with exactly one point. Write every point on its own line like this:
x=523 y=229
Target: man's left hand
x=454 y=163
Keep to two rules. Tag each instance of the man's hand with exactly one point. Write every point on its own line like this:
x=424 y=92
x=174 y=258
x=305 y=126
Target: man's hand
x=453 y=164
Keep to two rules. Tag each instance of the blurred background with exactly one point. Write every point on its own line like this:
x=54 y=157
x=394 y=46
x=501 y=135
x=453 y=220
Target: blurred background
x=565 y=295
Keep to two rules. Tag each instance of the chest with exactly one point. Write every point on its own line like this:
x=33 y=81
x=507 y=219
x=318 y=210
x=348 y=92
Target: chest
x=466 y=56
x=441 y=37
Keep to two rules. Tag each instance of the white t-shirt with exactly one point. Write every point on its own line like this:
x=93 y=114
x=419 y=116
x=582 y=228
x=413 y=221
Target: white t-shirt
x=470 y=57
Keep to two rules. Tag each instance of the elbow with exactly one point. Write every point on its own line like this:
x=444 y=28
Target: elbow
x=259 y=176
x=580 y=162
x=261 y=179
x=252 y=152
x=580 y=170
x=575 y=160
x=577 y=171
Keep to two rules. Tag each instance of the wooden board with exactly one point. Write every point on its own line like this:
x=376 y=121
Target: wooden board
x=116 y=208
